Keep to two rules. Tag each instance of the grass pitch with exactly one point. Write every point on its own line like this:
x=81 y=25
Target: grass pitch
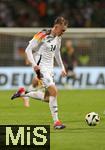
x=73 y=106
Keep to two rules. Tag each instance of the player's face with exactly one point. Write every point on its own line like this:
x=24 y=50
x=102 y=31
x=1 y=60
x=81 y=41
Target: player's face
x=60 y=29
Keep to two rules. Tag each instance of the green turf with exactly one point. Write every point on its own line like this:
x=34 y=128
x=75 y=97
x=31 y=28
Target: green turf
x=73 y=106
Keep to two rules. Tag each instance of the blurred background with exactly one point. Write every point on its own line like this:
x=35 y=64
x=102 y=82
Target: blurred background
x=83 y=45
x=41 y=13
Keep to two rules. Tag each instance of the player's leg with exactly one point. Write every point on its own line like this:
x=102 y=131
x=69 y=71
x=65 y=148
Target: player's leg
x=54 y=107
x=37 y=95
x=52 y=90
x=35 y=91
x=40 y=93
x=21 y=91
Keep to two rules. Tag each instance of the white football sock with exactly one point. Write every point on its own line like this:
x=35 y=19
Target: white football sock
x=53 y=107
x=36 y=95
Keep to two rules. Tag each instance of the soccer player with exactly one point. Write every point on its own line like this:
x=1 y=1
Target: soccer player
x=46 y=45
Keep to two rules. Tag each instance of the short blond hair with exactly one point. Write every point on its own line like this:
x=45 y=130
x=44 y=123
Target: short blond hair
x=61 y=20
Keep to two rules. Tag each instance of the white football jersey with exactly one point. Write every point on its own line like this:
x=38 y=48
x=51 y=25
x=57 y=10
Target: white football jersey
x=42 y=49
x=47 y=52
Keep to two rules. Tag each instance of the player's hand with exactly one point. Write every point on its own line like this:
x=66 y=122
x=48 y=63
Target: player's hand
x=36 y=68
x=64 y=73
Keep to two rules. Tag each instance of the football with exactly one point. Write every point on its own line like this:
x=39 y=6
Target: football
x=92 y=119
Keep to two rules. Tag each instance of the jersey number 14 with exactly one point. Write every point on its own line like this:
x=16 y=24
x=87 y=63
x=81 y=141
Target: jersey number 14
x=53 y=47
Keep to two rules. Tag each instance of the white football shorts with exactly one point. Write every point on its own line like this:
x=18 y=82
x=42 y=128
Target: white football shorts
x=48 y=78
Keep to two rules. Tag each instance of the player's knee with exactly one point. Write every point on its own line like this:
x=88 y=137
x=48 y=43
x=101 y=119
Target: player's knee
x=52 y=91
